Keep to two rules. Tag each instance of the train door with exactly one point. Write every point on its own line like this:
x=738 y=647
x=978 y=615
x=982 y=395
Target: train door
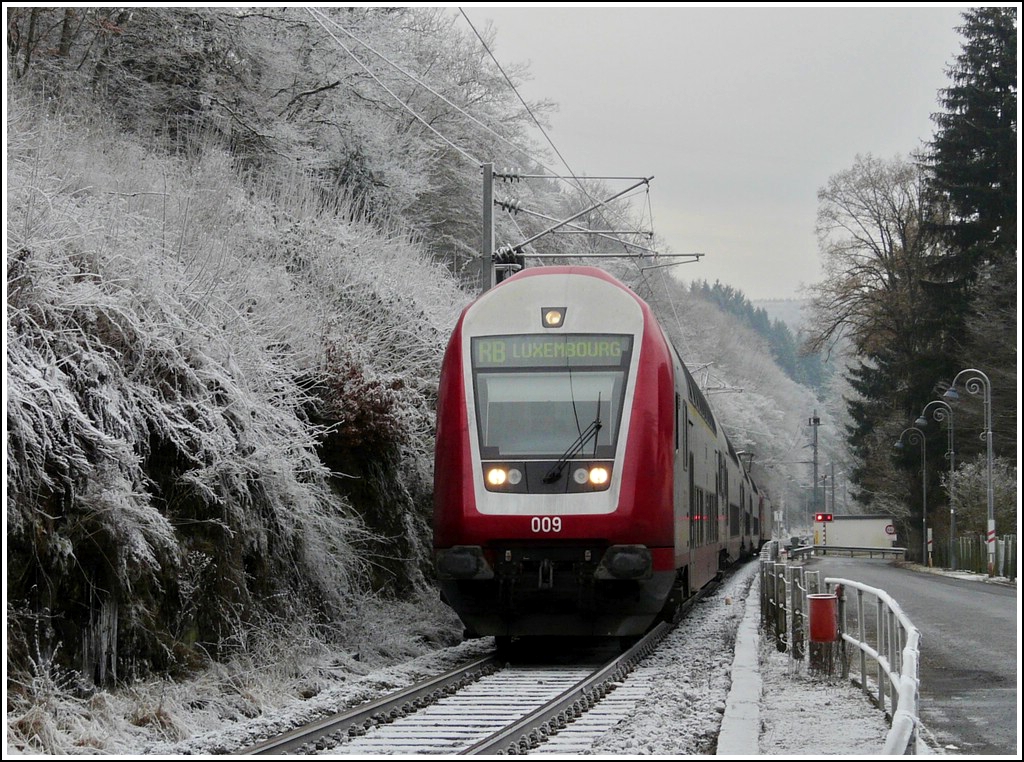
x=683 y=486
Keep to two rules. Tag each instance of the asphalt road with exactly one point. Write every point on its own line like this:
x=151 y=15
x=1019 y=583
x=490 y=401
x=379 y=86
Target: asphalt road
x=970 y=649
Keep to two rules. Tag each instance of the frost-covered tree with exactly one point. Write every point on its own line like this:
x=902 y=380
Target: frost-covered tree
x=877 y=250
x=970 y=489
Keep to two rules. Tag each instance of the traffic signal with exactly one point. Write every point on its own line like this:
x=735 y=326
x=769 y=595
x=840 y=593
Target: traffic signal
x=823 y=517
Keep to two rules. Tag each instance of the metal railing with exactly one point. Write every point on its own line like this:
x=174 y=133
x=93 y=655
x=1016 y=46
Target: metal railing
x=884 y=641
x=888 y=638
x=853 y=551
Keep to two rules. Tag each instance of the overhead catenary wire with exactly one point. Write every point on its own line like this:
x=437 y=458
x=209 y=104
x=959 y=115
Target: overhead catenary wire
x=313 y=12
x=520 y=97
x=572 y=173
x=323 y=20
x=529 y=111
x=536 y=121
x=513 y=206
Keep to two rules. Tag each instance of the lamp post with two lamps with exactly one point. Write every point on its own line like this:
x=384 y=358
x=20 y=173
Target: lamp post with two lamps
x=916 y=436
x=977 y=383
x=940 y=413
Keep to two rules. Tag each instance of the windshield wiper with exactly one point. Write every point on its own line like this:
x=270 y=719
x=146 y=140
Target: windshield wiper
x=590 y=432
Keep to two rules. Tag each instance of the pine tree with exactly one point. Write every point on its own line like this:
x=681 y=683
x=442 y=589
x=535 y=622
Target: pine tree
x=973 y=156
x=973 y=181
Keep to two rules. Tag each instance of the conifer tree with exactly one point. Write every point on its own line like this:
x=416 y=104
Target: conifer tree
x=973 y=155
x=973 y=182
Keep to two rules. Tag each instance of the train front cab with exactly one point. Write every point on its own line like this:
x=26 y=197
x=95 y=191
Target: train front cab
x=526 y=543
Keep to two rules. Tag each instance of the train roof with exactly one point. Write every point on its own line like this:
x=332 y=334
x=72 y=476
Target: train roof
x=588 y=270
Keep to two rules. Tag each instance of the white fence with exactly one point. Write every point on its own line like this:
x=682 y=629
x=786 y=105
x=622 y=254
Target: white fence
x=873 y=633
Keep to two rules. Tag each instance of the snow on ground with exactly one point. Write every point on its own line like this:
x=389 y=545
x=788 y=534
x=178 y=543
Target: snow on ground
x=799 y=714
x=802 y=714
x=684 y=689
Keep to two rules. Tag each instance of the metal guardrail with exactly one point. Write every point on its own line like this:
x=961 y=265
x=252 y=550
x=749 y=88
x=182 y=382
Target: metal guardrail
x=895 y=648
x=881 y=633
x=853 y=551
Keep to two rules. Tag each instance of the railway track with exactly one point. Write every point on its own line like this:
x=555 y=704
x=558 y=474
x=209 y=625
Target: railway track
x=487 y=706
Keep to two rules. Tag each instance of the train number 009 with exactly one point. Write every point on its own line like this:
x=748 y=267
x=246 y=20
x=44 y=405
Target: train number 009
x=545 y=524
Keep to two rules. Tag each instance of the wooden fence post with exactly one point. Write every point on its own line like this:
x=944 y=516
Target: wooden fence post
x=780 y=607
x=796 y=607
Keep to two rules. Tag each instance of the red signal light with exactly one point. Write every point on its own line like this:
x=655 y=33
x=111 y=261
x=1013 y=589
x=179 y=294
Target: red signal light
x=823 y=517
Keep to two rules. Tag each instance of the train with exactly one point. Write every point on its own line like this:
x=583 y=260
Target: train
x=582 y=484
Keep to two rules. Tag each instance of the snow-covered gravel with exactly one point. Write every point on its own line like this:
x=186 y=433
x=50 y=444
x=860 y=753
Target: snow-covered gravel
x=689 y=680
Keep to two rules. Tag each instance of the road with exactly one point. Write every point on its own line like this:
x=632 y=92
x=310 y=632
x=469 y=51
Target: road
x=970 y=634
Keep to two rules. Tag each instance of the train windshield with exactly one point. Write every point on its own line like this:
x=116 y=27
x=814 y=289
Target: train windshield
x=537 y=394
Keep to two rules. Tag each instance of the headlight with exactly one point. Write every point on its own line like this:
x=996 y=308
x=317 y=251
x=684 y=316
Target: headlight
x=500 y=476
x=595 y=476
x=553 y=317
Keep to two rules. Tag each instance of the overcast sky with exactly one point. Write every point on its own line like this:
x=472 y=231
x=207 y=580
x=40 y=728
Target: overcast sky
x=739 y=113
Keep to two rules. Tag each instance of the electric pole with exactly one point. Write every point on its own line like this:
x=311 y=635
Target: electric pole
x=833 y=465
x=509 y=258
x=814 y=422
x=487 y=239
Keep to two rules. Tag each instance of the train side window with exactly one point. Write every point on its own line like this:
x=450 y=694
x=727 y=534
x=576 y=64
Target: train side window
x=684 y=430
x=677 y=421
x=693 y=505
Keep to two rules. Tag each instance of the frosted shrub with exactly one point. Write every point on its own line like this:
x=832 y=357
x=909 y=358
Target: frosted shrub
x=384 y=311
x=970 y=485
x=156 y=415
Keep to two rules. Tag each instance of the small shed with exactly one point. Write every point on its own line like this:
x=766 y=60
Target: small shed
x=855 y=531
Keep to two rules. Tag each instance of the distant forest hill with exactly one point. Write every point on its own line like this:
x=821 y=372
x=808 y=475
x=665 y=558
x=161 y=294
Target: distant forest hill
x=789 y=311
x=781 y=329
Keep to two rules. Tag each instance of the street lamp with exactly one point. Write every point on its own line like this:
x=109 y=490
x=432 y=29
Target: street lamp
x=977 y=383
x=916 y=436
x=940 y=413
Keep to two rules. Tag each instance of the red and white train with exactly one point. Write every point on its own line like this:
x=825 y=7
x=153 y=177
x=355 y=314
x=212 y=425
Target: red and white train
x=582 y=484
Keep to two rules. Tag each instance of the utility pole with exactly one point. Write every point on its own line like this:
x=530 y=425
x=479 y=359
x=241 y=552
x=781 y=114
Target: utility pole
x=833 y=486
x=814 y=422
x=487 y=237
x=509 y=258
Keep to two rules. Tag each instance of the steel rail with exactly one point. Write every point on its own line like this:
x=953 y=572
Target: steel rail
x=533 y=729
x=519 y=736
x=530 y=730
x=384 y=709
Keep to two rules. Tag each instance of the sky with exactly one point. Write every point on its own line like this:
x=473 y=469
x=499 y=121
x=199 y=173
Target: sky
x=740 y=113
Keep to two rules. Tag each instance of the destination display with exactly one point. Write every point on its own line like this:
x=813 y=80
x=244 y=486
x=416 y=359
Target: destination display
x=547 y=350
